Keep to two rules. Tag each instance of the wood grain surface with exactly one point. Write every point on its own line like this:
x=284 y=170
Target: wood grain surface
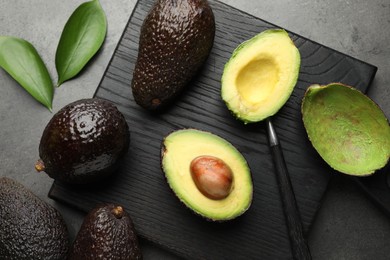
x=140 y=184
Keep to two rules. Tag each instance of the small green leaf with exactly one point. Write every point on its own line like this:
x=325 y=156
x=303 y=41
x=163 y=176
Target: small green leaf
x=22 y=61
x=82 y=37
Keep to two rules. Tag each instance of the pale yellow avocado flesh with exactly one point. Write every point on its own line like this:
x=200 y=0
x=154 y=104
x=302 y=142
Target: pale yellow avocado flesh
x=261 y=75
x=180 y=148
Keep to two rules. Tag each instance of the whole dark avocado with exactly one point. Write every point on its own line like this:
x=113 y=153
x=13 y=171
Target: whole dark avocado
x=29 y=227
x=176 y=39
x=83 y=142
x=107 y=232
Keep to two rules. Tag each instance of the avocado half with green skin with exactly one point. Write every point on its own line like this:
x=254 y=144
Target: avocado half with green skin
x=175 y=40
x=84 y=142
x=260 y=76
x=30 y=228
x=348 y=130
x=224 y=175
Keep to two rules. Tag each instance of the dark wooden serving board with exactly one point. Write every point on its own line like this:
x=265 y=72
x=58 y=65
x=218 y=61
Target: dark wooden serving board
x=377 y=187
x=140 y=185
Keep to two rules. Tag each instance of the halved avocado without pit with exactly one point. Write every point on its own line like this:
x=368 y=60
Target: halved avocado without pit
x=348 y=130
x=207 y=173
x=260 y=76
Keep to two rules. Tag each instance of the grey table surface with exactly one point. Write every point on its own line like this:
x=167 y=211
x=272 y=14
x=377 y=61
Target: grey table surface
x=348 y=225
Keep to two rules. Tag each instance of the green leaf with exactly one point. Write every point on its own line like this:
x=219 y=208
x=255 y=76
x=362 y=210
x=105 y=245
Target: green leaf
x=22 y=61
x=82 y=37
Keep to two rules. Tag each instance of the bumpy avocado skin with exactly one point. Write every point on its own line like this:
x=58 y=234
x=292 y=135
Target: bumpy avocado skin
x=105 y=236
x=84 y=141
x=29 y=227
x=176 y=39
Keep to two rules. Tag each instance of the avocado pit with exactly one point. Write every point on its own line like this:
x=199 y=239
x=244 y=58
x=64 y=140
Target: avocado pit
x=212 y=176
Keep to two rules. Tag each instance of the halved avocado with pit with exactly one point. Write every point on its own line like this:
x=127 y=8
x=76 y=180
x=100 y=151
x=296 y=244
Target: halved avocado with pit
x=260 y=76
x=348 y=130
x=186 y=151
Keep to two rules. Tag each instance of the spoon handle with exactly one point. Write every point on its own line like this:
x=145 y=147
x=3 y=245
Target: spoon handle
x=298 y=242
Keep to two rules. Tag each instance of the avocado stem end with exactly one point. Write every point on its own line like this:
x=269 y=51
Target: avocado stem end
x=39 y=166
x=118 y=212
